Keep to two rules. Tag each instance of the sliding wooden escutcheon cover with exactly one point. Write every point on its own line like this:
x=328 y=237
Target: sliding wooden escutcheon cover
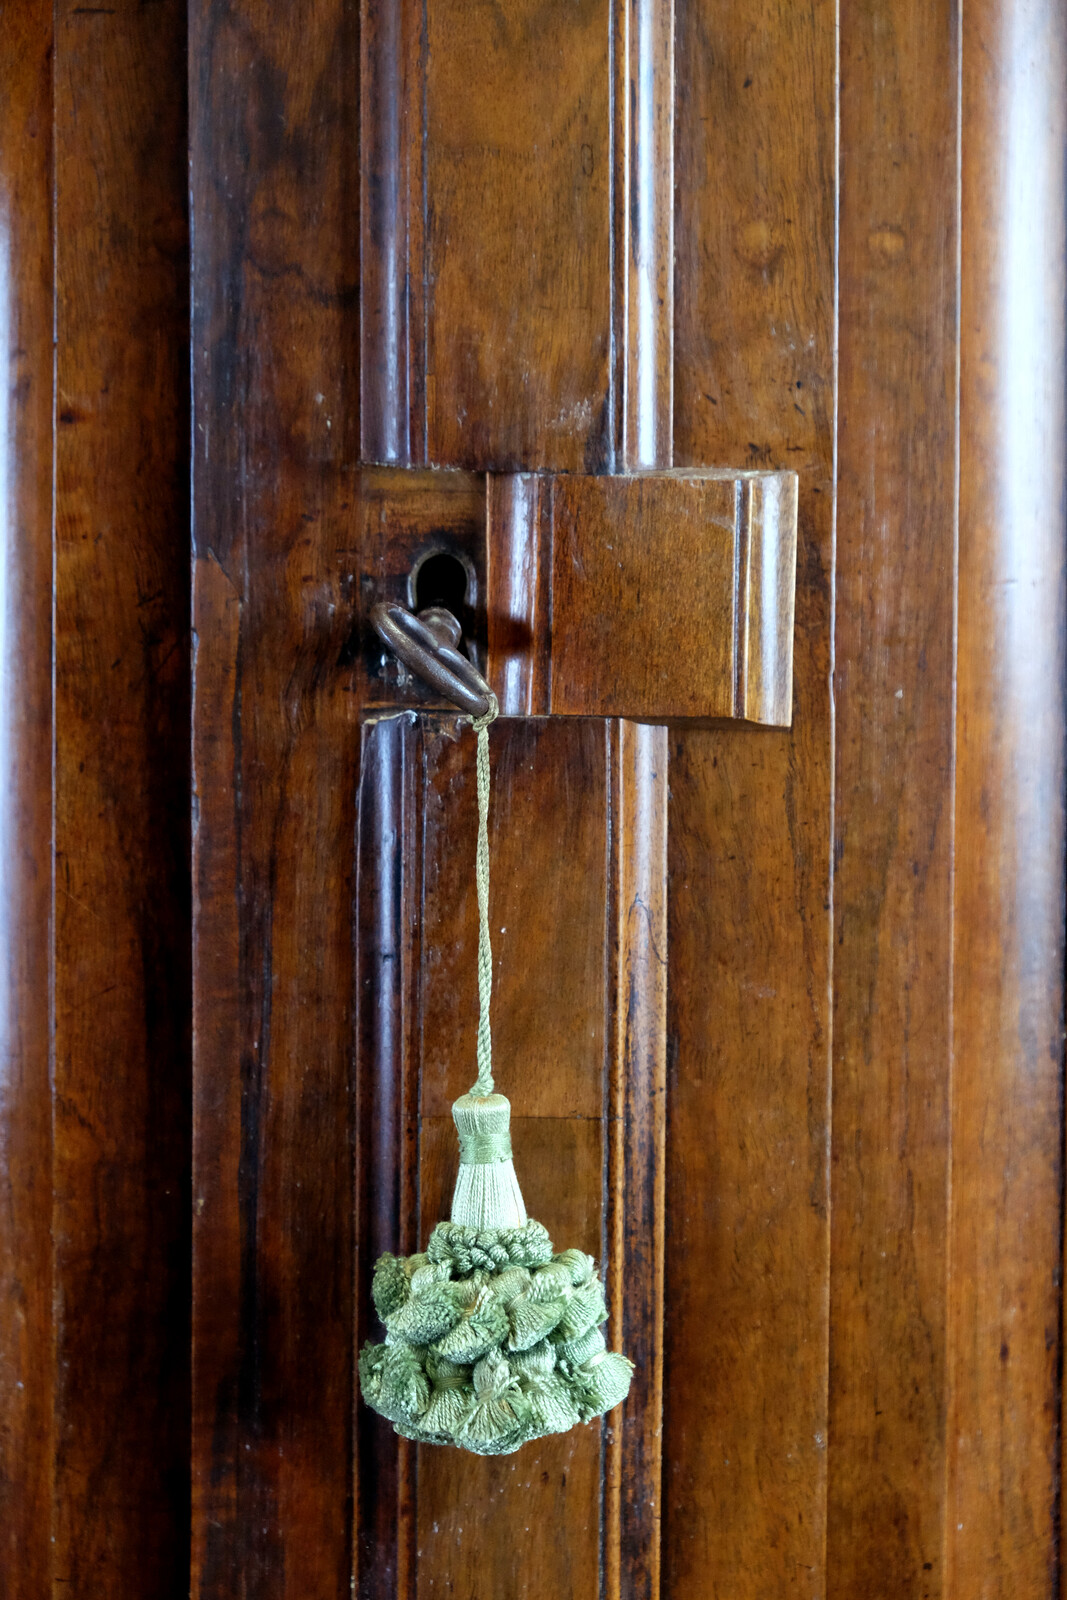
x=656 y=596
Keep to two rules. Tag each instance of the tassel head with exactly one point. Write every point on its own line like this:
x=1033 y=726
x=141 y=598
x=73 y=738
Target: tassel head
x=487 y=1193
x=492 y=1339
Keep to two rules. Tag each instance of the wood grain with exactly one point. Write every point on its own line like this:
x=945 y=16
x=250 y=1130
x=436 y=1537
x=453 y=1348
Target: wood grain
x=518 y=233
x=1005 y=1346
x=860 y=1398
x=663 y=632
x=273 y=175
x=658 y=596
x=548 y=920
x=636 y=1169
x=518 y=211
x=893 y=909
x=120 y=1222
x=661 y=596
x=643 y=232
x=519 y=580
x=579 y=1006
x=745 y=1434
x=487 y=233
x=26 y=400
x=392 y=312
x=389 y=1028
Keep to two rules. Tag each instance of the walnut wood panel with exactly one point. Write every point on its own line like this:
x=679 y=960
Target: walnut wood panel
x=120 y=1222
x=893 y=907
x=488 y=235
x=549 y=1039
x=26 y=1349
x=517 y=233
x=874 y=1409
x=1004 y=1419
x=662 y=597
x=745 y=1432
x=579 y=1005
x=273 y=150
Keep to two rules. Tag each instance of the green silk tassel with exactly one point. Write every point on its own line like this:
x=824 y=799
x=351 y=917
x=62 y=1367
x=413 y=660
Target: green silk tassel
x=492 y=1339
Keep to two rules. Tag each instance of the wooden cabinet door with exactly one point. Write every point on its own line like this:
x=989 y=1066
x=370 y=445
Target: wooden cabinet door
x=779 y=997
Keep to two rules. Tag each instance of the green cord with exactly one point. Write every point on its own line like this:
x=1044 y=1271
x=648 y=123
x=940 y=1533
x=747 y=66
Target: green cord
x=483 y=1084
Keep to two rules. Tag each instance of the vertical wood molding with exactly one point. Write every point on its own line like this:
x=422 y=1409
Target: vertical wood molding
x=121 y=1216
x=565 y=354
x=391 y=302
x=894 y=793
x=415 y=933
x=635 y=1149
x=26 y=410
x=218 y=1157
x=388 y=990
x=518 y=541
x=747 y=1327
x=1004 y=1423
x=764 y=609
x=644 y=111
x=273 y=181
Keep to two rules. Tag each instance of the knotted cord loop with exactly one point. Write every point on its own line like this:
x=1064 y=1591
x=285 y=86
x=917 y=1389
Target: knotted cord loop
x=483 y=1084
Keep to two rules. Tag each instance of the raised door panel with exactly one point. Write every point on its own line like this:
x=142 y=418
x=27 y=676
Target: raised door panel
x=797 y=1089
x=578 y=912
x=893 y=915
x=746 y=1444
x=272 y=161
x=26 y=1099
x=790 y=1055
x=516 y=225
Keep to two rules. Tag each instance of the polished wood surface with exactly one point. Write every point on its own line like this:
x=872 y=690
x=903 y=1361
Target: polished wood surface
x=635 y=1181
x=517 y=234
x=121 y=1212
x=848 y=980
x=573 y=588
x=487 y=129
x=746 y=1443
x=643 y=232
x=664 y=596
x=389 y=853
x=580 y=1053
x=94 y=1326
x=1004 y=1427
x=893 y=922
x=275 y=748
x=26 y=409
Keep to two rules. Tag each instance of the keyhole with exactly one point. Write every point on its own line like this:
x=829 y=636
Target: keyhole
x=440 y=579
